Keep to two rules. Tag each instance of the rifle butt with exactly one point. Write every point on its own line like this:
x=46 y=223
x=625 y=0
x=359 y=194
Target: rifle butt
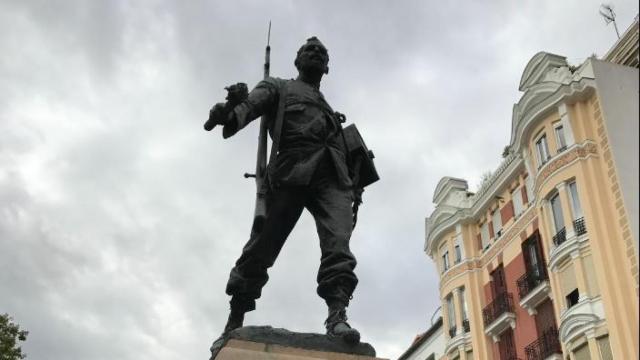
x=259 y=214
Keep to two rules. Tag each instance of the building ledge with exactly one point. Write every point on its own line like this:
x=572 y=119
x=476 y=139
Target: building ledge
x=454 y=343
x=536 y=297
x=499 y=325
x=570 y=248
x=581 y=318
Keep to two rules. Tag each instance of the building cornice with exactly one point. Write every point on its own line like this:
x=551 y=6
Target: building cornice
x=480 y=201
x=527 y=113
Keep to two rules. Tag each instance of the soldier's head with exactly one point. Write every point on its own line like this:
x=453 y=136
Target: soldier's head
x=312 y=58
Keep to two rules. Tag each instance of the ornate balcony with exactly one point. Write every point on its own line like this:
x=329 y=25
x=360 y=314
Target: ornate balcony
x=579 y=226
x=560 y=237
x=533 y=289
x=546 y=347
x=499 y=315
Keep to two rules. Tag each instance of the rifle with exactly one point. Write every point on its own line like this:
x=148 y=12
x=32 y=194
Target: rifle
x=260 y=210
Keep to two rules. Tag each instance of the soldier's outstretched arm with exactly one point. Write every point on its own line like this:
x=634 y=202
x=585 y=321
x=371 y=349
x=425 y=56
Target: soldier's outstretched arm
x=259 y=101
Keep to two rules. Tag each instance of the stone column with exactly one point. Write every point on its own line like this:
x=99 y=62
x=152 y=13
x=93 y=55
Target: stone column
x=463 y=354
x=445 y=317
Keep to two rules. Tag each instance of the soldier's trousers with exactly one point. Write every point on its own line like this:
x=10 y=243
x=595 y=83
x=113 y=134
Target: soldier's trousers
x=330 y=206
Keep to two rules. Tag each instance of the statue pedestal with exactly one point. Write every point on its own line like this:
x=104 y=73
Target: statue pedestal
x=267 y=343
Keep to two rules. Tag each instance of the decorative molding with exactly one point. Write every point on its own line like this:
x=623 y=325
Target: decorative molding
x=566 y=158
x=473 y=264
x=535 y=297
x=580 y=319
x=527 y=111
x=568 y=249
x=466 y=265
x=459 y=341
x=499 y=325
x=513 y=233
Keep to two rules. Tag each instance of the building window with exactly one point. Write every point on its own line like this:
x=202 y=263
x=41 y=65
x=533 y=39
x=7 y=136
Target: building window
x=458 y=249
x=463 y=306
x=572 y=298
x=561 y=140
x=445 y=261
x=575 y=201
x=518 y=205
x=542 y=150
x=578 y=218
x=558 y=219
x=497 y=222
x=484 y=235
x=605 y=348
x=451 y=313
x=528 y=184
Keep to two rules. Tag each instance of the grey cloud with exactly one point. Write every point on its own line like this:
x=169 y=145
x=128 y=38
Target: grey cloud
x=120 y=218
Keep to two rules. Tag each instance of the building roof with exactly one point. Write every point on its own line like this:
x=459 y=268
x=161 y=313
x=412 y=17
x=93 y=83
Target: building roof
x=625 y=50
x=422 y=338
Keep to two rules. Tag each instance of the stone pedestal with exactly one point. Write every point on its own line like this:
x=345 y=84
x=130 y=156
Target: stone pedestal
x=267 y=343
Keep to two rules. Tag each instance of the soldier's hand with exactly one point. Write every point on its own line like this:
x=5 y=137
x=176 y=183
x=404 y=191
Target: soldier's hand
x=357 y=196
x=217 y=116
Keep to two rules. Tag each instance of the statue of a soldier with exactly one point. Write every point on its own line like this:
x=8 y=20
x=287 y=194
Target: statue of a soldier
x=312 y=170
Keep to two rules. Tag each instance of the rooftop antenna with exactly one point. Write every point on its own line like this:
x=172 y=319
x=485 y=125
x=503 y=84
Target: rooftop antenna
x=606 y=10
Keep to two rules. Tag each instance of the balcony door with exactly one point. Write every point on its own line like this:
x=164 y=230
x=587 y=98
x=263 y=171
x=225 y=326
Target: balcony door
x=545 y=317
x=498 y=282
x=532 y=252
x=507 y=346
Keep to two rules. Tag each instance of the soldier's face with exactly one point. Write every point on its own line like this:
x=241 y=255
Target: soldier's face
x=313 y=57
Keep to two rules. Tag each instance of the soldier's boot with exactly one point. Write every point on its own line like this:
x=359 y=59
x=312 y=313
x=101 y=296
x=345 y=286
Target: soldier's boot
x=235 y=320
x=337 y=325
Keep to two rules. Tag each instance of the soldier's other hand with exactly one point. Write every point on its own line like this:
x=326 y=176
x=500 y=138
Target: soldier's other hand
x=217 y=116
x=357 y=196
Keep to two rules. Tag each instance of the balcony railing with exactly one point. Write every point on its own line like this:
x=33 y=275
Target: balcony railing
x=579 y=226
x=501 y=304
x=531 y=280
x=465 y=325
x=546 y=345
x=452 y=331
x=560 y=237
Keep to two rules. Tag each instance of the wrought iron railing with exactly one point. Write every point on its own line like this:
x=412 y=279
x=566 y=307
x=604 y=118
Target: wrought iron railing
x=509 y=352
x=501 y=304
x=452 y=331
x=465 y=325
x=546 y=345
x=560 y=237
x=530 y=280
x=579 y=226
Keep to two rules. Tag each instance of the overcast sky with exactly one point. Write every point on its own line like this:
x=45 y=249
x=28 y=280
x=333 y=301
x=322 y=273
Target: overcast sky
x=120 y=217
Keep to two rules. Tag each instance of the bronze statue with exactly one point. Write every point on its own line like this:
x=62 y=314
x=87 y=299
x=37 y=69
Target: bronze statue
x=314 y=164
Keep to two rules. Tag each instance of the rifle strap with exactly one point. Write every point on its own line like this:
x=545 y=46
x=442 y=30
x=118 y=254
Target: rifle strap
x=277 y=126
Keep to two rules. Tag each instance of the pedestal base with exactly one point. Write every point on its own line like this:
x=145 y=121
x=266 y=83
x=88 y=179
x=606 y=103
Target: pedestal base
x=267 y=343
